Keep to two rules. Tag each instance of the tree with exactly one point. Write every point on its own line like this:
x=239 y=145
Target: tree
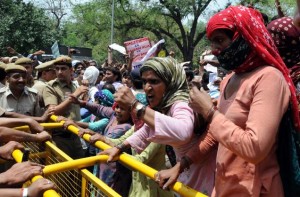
x=23 y=27
x=175 y=19
x=56 y=7
x=268 y=6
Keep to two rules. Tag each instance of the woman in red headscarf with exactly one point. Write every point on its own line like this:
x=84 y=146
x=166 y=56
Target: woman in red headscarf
x=254 y=99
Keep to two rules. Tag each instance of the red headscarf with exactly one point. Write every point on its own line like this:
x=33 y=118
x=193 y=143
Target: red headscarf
x=287 y=39
x=248 y=23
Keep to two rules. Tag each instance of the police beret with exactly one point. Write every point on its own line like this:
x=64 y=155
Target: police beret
x=2 y=65
x=23 y=60
x=14 y=67
x=63 y=60
x=45 y=65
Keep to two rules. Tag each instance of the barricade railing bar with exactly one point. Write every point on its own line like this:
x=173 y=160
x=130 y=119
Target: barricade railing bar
x=90 y=185
x=129 y=161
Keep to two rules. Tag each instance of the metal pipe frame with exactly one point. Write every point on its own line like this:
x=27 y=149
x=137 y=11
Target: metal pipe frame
x=178 y=187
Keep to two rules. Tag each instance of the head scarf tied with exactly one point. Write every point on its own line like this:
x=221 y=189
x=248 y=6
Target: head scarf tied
x=287 y=39
x=173 y=75
x=248 y=23
x=105 y=97
x=91 y=74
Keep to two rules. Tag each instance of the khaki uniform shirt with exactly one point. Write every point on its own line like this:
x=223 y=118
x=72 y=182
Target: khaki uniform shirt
x=40 y=86
x=56 y=92
x=27 y=104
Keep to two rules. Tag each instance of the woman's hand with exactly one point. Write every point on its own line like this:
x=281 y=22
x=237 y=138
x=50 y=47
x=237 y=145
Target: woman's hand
x=124 y=97
x=112 y=154
x=165 y=178
x=81 y=132
x=200 y=101
x=96 y=137
x=68 y=122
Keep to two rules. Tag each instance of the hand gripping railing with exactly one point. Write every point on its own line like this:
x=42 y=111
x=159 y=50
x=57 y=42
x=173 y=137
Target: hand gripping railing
x=178 y=187
x=18 y=155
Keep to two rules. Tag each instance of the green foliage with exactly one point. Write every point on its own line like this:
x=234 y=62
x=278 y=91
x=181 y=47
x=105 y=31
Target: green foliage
x=268 y=6
x=23 y=27
x=176 y=21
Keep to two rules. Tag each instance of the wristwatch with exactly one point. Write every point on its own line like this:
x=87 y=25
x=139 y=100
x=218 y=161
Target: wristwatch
x=140 y=110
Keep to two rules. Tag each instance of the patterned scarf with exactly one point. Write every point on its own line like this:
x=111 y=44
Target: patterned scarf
x=248 y=23
x=287 y=39
x=173 y=75
x=105 y=97
x=234 y=55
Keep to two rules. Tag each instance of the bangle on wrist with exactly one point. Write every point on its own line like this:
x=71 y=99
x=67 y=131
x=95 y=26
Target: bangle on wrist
x=24 y=192
x=211 y=113
x=132 y=104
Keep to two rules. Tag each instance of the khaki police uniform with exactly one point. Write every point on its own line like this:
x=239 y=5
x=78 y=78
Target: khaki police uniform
x=54 y=94
x=23 y=61
x=27 y=104
x=41 y=84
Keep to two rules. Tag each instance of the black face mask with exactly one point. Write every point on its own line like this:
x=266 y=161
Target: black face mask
x=234 y=55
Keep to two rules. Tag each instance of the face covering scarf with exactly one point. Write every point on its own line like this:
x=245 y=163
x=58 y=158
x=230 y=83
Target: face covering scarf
x=234 y=55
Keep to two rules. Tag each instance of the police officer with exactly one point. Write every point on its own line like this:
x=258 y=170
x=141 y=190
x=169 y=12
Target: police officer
x=16 y=96
x=56 y=95
x=27 y=64
x=46 y=72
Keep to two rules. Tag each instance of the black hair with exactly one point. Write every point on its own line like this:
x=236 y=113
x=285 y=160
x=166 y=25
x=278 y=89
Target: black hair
x=205 y=80
x=126 y=74
x=189 y=75
x=115 y=71
x=110 y=87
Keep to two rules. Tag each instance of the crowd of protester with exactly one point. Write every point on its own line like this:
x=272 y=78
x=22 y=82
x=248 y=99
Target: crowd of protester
x=217 y=132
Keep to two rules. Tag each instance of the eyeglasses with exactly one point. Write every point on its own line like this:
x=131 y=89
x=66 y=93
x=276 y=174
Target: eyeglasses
x=61 y=68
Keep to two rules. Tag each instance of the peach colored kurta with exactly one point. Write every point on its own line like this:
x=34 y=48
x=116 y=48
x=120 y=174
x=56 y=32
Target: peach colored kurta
x=246 y=130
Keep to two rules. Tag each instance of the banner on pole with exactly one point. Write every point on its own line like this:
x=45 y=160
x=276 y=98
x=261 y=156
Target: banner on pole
x=55 y=50
x=142 y=50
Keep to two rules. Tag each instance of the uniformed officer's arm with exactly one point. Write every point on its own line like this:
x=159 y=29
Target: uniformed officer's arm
x=60 y=108
x=17 y=115
x=15 y=122
x=8 y=134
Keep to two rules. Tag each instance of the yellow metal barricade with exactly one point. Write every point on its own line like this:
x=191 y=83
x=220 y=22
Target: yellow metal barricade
x=70 y=176
x=178 y=187
x=66 y=173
